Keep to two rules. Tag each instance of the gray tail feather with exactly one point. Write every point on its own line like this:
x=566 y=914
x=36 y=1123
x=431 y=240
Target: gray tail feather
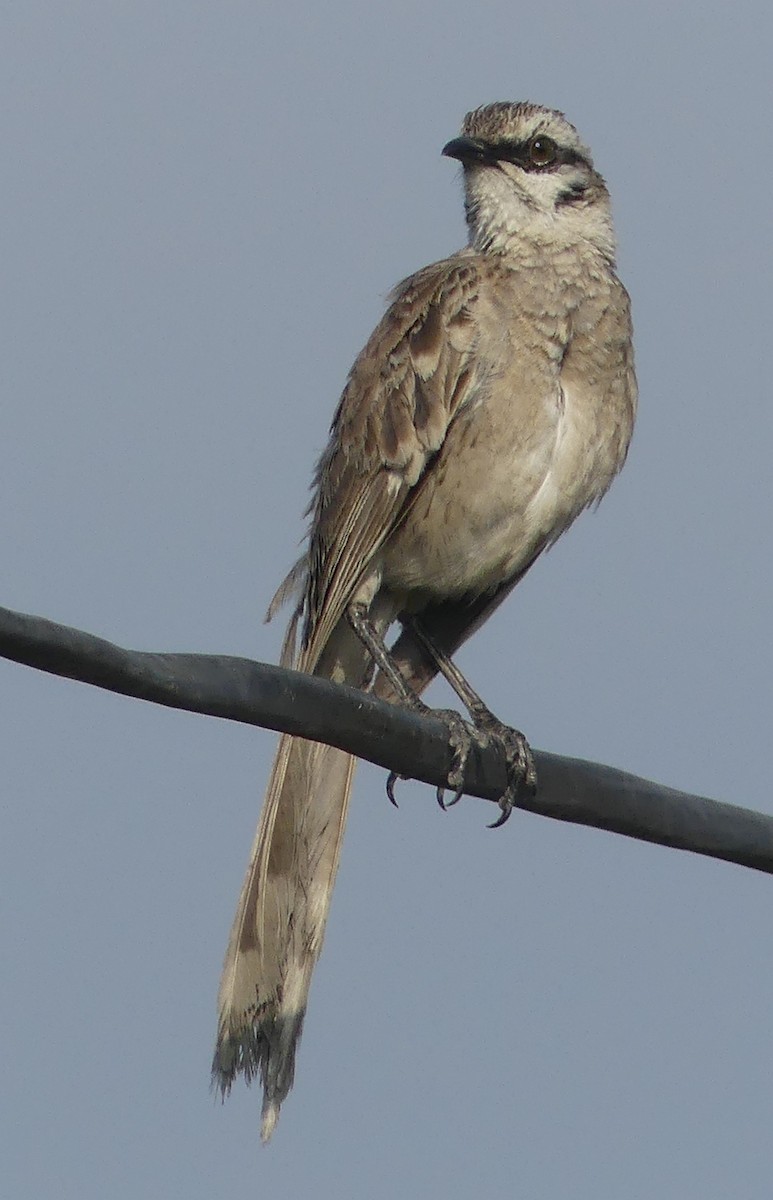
x=280 y=921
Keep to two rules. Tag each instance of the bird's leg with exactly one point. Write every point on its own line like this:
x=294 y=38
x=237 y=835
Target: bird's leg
x=459 y=733
x=521 y=772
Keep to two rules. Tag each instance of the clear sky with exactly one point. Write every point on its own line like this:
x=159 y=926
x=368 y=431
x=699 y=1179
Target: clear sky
x=204 y=205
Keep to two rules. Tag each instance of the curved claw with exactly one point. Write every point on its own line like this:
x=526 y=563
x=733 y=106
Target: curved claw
x=456 y=798
x=390 y=787
x=446 y=804
x=507 y=807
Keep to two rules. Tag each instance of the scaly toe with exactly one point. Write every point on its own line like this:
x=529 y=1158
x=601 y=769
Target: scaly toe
x=460 y=739
x=521 y=771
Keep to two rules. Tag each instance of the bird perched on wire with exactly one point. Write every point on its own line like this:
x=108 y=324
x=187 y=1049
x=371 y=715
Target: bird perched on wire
x=494 y=402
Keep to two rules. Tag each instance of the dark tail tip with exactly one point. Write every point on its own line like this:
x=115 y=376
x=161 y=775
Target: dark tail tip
x=266 y=1049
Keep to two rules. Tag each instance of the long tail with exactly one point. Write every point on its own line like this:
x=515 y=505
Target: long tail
x=280 y=920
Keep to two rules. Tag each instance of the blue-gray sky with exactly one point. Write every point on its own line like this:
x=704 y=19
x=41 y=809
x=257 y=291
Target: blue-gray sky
x=204 y=207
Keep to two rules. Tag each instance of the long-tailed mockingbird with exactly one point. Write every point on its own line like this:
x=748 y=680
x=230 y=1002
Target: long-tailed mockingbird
x=493 y=403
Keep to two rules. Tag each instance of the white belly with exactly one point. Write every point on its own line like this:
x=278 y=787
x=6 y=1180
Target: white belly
x=496 y=496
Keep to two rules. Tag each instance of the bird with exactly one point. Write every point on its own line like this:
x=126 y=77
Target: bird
x=493 y=403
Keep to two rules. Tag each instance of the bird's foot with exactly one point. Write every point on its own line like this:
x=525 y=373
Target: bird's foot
x=484 y=730
x=519 y=760
x=461 y=736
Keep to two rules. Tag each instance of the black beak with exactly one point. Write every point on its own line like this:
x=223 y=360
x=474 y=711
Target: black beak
x=468 y=150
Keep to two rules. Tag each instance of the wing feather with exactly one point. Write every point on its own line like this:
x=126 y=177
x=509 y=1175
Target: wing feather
x=403 y=392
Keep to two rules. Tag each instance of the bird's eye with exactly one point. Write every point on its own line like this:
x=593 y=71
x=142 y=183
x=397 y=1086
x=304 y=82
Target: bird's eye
x=543 y=151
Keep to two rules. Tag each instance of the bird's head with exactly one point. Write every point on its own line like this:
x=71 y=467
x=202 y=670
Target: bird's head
x=527 y=174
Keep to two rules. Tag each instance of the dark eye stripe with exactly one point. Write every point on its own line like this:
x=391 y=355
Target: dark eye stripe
x=518 y=152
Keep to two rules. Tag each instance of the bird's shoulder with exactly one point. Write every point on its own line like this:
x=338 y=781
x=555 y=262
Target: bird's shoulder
x=414 y=370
